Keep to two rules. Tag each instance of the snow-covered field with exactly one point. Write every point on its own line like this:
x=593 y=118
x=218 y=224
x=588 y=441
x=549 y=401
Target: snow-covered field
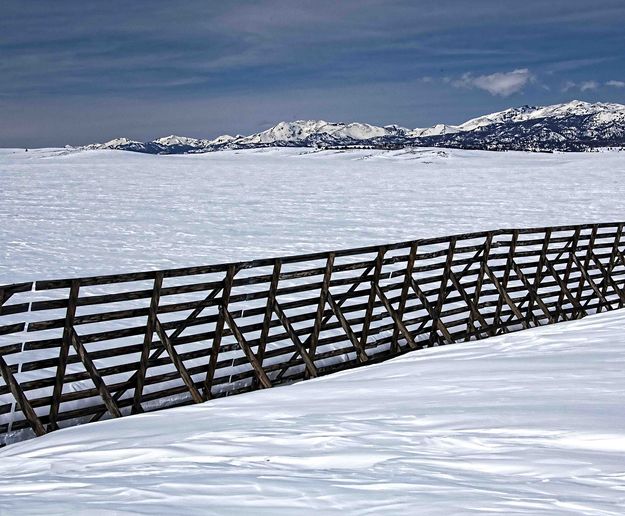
x=83 y=213
x=525 y=423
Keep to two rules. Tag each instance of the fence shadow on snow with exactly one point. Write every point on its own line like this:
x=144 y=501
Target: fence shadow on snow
x=79 y=350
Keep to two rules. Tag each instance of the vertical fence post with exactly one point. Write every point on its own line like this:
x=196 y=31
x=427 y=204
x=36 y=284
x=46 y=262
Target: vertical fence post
x=585 y=264
x=497 y=326
x=538 y=278
x=372 y=297
x=219 y=329
x=323 y=296
x=395 y=348
x=20 y=397
x=147 y=343
x=442 y=291
x=618 y=252
x=480 y=282
x=66 y=344
x=611 y=265
x=567 y=273
x=271 y=297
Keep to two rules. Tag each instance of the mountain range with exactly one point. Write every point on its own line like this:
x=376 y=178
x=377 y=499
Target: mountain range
x=573 y=126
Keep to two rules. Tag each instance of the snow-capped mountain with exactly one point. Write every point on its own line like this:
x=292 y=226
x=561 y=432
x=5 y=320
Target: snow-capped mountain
x=573 y=126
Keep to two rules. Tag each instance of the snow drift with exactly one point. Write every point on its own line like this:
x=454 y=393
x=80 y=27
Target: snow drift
x=530 y=422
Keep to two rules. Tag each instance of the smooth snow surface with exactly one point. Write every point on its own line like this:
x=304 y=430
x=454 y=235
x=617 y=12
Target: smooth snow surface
x=525 y=423
x=67 y=213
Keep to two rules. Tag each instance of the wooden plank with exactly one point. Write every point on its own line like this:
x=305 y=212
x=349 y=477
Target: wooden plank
x=472 y=304
x=193 y=338
x=208 y=269
x=63 y=354
x=338 y=313
x=225 y=297
x=580 y=288
x=607 y=280
x=22 y=400
x=241 y=376
x=178 y=363
x=227 y=363
x=377 y=269
x=143 y=312
x=155 y=356
x=616 y=248
x=568 y=248
x=97 y=380
x=479 y=284
x=251 y=357
x=310 y=364
x=436 y=321
x=467 y=265
x=443 y=291
x=6 y=291
x=579 y=312
x=323 y=294
x=395 y=348
x=567 y=273
x=591 y=283
x=340 y=301
x=269 y=309
x=531 y=289
x=147 y=344
x=395 y=316
x=537 y=279
x=195 y=354
x=12 y=328
x=505 y=296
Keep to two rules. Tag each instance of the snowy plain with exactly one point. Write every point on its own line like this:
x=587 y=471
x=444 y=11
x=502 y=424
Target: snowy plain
x=526 y=423
x=65 y=214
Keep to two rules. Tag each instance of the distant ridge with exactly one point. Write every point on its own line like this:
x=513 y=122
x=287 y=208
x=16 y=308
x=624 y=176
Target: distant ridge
x=573 y=126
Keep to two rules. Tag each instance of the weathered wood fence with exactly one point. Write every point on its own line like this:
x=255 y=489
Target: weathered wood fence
x=79 y=350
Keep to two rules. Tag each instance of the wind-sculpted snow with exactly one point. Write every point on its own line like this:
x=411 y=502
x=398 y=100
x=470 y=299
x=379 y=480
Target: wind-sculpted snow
x=69 y=214
x=573 y=126
x=525 y=423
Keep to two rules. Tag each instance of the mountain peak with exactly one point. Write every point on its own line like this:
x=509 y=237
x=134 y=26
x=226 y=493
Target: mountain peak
x=172 y=139
x=574 y=125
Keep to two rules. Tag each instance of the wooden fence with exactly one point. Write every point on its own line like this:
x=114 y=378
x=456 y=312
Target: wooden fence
x=79 y=350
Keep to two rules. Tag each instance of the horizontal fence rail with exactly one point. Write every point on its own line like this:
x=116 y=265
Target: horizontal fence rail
x=79 y=350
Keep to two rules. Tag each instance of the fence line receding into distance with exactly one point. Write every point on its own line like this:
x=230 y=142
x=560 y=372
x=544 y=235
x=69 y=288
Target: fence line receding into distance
x=79 y=350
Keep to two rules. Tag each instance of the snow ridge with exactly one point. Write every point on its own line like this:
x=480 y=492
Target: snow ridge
x=572 y=126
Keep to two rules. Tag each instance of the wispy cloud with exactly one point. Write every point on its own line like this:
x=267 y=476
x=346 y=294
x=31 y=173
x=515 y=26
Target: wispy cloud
x=591 y=85
x=588 y=85
x=569 y=85
x=503 y=84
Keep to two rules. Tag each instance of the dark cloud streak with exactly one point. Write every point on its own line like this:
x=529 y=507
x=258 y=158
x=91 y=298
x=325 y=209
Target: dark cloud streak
x=205 y=67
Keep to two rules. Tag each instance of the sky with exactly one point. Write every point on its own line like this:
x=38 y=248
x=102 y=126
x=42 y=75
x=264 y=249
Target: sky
x=75 y=72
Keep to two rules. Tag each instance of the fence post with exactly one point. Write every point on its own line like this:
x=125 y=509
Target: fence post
x=219 y=329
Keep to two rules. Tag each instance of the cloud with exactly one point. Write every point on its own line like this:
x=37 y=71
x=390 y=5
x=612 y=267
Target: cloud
x=54 y=53
x=500 y=83
x=616 y=84
x=568 y=85
x=588 y=85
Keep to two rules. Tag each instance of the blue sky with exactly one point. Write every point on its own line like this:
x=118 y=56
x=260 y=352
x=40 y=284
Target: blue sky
x=75 y=72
